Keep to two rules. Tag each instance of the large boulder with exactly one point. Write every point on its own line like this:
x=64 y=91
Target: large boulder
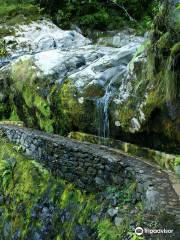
x=59 y=82
x=58 y=78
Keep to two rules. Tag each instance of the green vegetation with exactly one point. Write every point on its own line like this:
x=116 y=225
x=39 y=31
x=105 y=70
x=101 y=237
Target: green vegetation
x=104 y=15
x=28 y=188
x=72 y=112
x=35 y=109
x=95 y=14
x=125 y=196
x=177 y=161
x=163 y=54
x=33 y=202
x=3 y=51
x=106 y=230
x=41 y=105
x=176 y=165
x=17 y=11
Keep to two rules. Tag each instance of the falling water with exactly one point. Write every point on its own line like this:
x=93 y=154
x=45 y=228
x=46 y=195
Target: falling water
x=102 y=103
x=103 y=112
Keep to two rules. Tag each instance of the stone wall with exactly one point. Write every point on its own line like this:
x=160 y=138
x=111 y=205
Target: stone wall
x=163 y=159
x=93 y=167
x=75 y=162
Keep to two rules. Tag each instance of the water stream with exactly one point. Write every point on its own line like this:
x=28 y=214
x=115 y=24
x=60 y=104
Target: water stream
x=103 y=112
x=102 y=104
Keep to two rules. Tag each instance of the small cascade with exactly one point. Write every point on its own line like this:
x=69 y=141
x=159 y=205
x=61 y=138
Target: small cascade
x=102 y=104
x=103 y=112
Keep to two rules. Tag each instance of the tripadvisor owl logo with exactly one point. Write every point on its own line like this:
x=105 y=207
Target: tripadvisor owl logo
x=139 y=231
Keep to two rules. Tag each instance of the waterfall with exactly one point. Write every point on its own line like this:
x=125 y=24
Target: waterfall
x=118 y=75
x=103 y=112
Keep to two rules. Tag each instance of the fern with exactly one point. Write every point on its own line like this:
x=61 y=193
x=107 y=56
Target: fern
x=7 y=172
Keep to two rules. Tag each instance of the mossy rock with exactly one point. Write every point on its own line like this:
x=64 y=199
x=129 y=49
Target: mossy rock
x=93 y=90
x=73 y=108
x=47 y=106
x=38 y=202
x=34 y=196
x=175 y=49
x=164 y=41
x=29 y=95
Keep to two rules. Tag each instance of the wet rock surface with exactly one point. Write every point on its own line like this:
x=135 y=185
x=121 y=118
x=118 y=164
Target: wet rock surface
x=70 y=83
x=67 y=65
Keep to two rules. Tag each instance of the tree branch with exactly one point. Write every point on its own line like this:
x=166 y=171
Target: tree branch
x=124 y=9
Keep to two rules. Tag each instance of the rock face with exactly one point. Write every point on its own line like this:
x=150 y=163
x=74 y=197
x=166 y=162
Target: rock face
x=152 y=199
x=41 y=36
x=60 y=73
x=59 y=81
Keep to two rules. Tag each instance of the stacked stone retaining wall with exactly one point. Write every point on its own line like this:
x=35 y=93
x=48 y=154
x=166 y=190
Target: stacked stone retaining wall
x=93 y=167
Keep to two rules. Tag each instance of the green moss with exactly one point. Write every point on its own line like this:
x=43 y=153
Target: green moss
x=69 y=112
x=170 y=79
x=42 y=106
x=175 y=49
x=14 y=116
x=6 y=31
x=106 y=230
x=3 y=50
x=71 y=109
x=162 y=51
x=164 y=41
x=23 y=68
x=27 y=185
x=138 y=52
x=43 y=114
x=69 y=197
x=152 y=101
x=36 y=109
x=94 y=91
x=126 y=113
x=22 y=181
x=45 y=124
x=3 y=109
x=177 y=161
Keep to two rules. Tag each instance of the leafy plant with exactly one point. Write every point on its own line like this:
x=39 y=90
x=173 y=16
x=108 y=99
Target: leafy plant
x=98 y=14
x=177 y=161
x=3 y=51
x=108 y=231
x=15 y=11
x=7 y=168
x=133 y=236
x=124 y=195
